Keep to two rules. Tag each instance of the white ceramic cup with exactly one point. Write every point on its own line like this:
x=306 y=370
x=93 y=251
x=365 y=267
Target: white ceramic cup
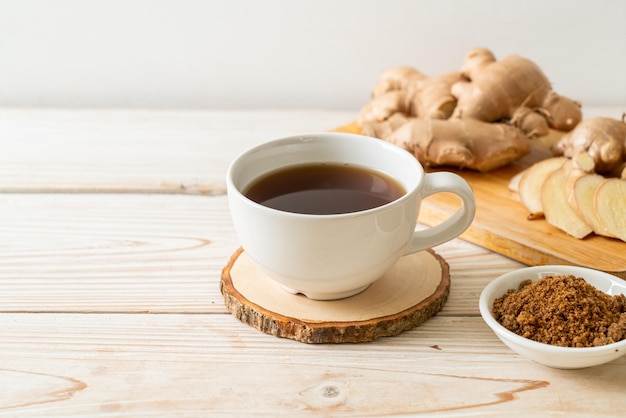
x=335 y=256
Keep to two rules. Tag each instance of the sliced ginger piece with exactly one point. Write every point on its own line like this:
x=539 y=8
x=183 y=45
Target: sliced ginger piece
x=531 y=182
x=557 y=210
x=580 y=166
x=584 y=161
x=610 y=205
x=581 y=196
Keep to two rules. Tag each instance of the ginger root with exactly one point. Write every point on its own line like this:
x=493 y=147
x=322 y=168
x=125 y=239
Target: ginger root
x=513 y=95
x=463 y=143
x=394 y=79
x=604 y=139
x=407 y=91
x=495 y=90
x=432 y=96
x=531 y=122
x=561 y=113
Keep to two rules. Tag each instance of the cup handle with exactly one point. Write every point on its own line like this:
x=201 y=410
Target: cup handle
x=457 y=223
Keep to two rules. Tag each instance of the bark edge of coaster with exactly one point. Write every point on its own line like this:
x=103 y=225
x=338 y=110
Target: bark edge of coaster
x=414 y=290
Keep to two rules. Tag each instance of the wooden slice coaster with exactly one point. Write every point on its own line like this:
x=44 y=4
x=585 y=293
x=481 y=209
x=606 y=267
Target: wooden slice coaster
x=414 y=290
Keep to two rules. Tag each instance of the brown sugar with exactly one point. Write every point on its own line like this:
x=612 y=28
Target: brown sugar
x=562 y=310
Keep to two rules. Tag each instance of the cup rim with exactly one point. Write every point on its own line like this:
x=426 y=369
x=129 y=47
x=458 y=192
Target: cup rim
x=410 y=194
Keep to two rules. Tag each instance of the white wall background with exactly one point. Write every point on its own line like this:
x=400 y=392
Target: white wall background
x=288 y=53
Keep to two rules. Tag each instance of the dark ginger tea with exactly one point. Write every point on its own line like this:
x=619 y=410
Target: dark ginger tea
x=324 y=189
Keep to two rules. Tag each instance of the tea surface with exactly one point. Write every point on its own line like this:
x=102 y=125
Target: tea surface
x=324 y=189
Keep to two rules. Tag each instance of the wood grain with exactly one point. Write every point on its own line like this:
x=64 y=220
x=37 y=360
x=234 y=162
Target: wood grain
x=110 y=301
x=60 y=365
x=412 y=291
x=137 y=151
x=158 y=253
x=113 y=253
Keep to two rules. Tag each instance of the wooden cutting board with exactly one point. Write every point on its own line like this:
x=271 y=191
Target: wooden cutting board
x=501 y=223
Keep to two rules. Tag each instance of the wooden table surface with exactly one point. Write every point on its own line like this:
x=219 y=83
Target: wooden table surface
x=114 y=229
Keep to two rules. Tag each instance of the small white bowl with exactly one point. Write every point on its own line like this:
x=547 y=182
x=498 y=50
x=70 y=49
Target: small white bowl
x=546 y=354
